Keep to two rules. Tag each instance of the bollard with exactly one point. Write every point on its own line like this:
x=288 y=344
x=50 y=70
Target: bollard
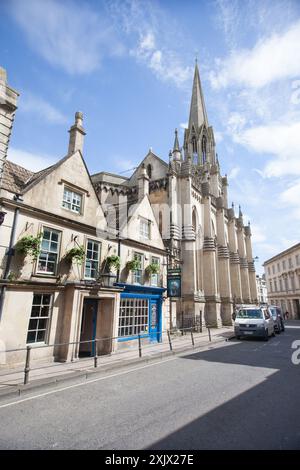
x=27 y=365
x=140 y=346
x=209 y=335
x=192 y=336
x=95 y=354
x=170 y=342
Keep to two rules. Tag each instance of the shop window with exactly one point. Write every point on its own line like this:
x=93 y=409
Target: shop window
x=133 y=318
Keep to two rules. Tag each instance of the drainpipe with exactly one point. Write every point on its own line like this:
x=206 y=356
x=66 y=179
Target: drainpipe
x=119 y=254
x=10 y=253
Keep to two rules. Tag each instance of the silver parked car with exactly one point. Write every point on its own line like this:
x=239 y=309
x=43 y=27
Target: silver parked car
x=254 y=321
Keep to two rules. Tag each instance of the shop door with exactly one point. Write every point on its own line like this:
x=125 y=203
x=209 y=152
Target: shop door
x=88 y=327
x=154 y=332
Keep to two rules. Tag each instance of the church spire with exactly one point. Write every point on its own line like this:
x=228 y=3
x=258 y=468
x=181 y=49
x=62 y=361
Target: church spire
x=198 y=114
x=176 y=143
x=176 y=149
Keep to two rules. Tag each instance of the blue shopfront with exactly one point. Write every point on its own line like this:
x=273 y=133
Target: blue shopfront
x=140 y=312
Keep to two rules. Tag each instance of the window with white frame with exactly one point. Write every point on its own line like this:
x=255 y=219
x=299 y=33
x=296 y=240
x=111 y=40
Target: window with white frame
x=39 y=318
x=133 y=317
x=47 y=261
x=72 y=201
x=145 y=228
x=91 y=268
x=137 y=276
x=155 y=277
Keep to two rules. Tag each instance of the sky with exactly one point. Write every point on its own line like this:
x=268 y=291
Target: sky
x=128 y=66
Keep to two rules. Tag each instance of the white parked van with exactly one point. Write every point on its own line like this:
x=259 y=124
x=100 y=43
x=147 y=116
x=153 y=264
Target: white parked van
x=254 y=321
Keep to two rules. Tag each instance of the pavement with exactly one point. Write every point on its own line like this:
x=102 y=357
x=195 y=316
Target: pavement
x=224 y=395
x=44 y=373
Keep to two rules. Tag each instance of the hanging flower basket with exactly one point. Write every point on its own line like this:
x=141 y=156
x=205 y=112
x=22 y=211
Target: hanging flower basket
x=76 y=254
x=112 y=262
x=133 y=265
x=152 y=268
x=29 y=245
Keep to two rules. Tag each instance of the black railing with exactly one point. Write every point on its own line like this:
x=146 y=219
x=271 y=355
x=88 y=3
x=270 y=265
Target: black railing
x=172 y=336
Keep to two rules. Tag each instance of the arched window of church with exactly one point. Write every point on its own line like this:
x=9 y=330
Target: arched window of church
x=160 y=222
x=204 y=149
x=194 y=144
x=149 y=171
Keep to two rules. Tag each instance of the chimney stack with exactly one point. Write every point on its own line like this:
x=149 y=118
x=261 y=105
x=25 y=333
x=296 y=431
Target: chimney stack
x=143 y=183
x=77 y=134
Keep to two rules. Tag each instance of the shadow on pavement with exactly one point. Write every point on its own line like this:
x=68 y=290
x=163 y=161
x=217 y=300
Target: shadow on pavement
x=266 y=416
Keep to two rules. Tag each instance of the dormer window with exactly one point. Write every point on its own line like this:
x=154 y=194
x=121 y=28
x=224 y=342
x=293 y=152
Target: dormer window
x=145 y=228
x=72 y=201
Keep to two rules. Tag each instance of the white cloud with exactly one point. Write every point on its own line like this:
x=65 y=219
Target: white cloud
x=258 y=234
x=273 y=58
x=164 y=63
x=29 y=160
x=156 y=38
x=41 y=108
x=66 y=34
x=290 y=198
x=279 y=140
x=234 y=173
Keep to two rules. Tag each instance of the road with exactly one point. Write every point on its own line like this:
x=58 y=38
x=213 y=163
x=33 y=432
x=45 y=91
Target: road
x=234 y=395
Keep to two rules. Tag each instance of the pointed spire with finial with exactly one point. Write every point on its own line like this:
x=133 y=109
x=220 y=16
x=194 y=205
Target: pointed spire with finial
x=176 y=149
x=240 y=212
x=198 y=115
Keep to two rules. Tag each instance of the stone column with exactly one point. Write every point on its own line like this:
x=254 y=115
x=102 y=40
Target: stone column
x=224 y=266
x=212 y=299
x=251 y=267
x=8 y=107
x=188 y=275
x=243 y=262
x=235 y=275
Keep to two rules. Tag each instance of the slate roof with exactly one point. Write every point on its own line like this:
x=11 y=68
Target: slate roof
x=15 y=177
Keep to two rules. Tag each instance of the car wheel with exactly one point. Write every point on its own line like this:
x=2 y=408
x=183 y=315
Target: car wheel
x=238 y=337
x=278 y=331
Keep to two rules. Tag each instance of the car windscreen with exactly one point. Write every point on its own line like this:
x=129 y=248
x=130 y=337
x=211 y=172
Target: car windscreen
x=249 y=313
x=274 y=312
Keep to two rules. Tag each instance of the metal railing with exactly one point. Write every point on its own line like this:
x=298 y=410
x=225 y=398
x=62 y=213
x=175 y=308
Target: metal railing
x=173 y=336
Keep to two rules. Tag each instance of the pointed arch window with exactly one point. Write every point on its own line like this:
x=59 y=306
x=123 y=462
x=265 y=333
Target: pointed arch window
x=204 y=149
x=194 y=144
x=149 y=171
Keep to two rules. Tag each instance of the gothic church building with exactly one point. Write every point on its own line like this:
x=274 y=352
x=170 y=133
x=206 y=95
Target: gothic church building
x=204 y=239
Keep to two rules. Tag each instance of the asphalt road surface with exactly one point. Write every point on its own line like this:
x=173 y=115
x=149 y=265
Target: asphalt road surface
x=235 y=395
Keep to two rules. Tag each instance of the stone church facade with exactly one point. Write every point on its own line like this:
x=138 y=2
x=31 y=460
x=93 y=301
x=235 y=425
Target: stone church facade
x=203 y=236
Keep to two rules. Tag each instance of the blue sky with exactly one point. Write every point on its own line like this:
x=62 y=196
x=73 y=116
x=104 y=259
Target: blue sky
x=128 y=66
